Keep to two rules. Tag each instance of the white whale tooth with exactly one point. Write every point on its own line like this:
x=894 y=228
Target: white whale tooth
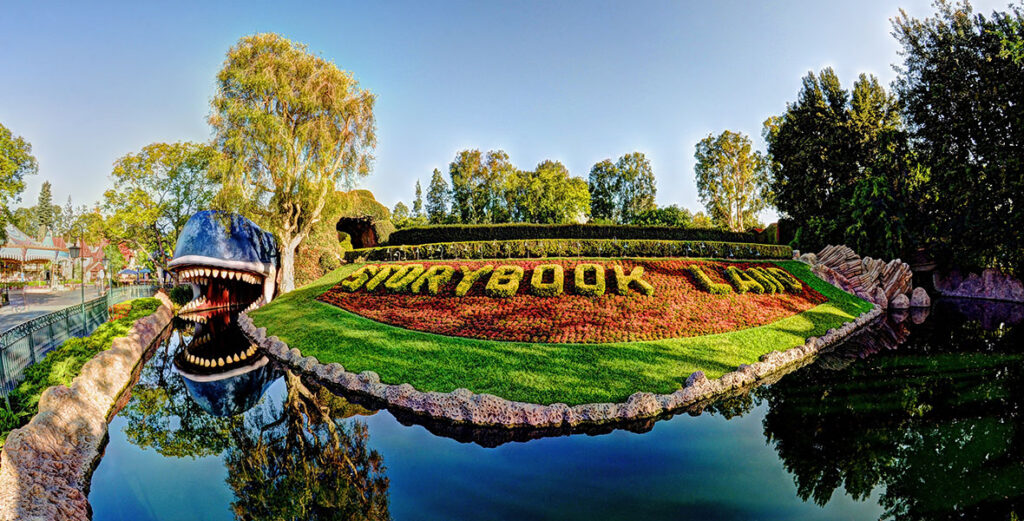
x=220 y=362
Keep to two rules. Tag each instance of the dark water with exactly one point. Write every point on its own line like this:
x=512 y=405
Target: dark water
x=906 y=421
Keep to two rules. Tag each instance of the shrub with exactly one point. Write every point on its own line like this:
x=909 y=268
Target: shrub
x=402 y=276
x=768 y=284
x=359 y=277
x=788 y=281
x=577 y=248
x=548 y=289
x=622 y=281
x=504 y=282
x=742 y=282
x=469 y=276
x=705 y=283
x=382 y=274
x=435 y=277
x=181 y=294
x=527 y=231
x=595 y=289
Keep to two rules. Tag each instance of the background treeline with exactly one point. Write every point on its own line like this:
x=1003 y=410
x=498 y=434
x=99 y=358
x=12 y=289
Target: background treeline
x=930 y=169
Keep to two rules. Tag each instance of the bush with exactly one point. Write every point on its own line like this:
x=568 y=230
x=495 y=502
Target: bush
x=705 y=283
x=383 y=272
x=622 y=281
x=403 y=276
x=181 y=294
x=504 y=282
x=742 y=282
x=580 y=280
x=525 y=231
x=525 y=249
x=767 y=282
x=788 y=281
x=359 y=277
x=435 y=277
x=547 y=289
x=470 y=276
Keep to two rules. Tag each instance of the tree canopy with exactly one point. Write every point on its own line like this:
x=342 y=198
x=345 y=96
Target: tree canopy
x=622 y=191
x=16 y=161
x=548 y=195
x=731 y=179
x=294 y=128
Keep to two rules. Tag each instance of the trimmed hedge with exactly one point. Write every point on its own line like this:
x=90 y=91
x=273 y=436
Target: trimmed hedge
x=705 y=283
x=435 y=277
x=525 y=231
x=403 y=276
x=470 y=276
x=767 y=281
x=571 y=248
x=547 y=289
x=622 y=281
x=790 y=282
x=504 y=283
x=580 y=280
x=742 y=282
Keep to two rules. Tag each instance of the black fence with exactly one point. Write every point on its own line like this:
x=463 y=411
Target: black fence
x=28 y=342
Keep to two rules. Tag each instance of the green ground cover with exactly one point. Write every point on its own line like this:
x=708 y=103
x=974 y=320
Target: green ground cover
x=62 y=365
x=537 y=373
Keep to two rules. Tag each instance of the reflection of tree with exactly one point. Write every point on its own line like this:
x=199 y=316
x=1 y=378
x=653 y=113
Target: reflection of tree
x=937 y=423
x=292 y=460
x=306 y=465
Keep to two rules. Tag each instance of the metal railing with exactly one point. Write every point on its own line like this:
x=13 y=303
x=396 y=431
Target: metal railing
x=28 y=342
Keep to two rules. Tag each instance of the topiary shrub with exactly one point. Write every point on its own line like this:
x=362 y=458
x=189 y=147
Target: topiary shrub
x=790 y=282
x=742 y=282
x=547 y=289
x=469 y=276
x=623 y=281
x=504 y=282
x=768 y=284
x=382 y=274
x=705 y=283
x=594 y=289
x=402 y=276
x=435 y=277
x=359 y=277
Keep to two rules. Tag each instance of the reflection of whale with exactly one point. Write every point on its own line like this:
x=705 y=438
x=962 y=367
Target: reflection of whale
x=222 y=371
x=232 y=392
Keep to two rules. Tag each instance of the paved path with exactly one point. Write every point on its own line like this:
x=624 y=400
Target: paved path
x=38 y=304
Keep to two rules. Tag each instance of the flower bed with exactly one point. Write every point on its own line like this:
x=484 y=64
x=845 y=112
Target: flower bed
x=645 y=300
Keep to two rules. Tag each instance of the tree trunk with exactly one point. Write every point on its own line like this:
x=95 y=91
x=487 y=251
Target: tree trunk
x=287 y=268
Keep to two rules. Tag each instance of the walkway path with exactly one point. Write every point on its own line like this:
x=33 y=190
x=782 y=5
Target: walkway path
x=38 y=304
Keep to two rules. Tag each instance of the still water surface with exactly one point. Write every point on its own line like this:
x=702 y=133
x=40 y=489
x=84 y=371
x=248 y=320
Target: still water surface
x=906 y=421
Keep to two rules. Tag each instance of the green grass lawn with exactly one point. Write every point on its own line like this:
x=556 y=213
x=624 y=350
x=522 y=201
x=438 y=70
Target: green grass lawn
x=537 y=373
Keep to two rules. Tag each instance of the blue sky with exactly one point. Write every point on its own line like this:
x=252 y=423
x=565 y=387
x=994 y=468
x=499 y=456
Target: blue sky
x=573 y=81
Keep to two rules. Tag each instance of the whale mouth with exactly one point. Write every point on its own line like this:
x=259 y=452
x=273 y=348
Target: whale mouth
x=221 y=288
x=217 y=347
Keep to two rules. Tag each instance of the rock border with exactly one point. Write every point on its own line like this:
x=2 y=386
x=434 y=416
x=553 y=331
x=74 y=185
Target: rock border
x=465 y=406
x=46 y=466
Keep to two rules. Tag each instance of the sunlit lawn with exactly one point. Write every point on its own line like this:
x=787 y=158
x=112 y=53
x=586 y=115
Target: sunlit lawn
x=538 y=373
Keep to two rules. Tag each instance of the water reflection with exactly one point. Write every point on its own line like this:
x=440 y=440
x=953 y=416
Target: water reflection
x=288 y=455
x=935 y=425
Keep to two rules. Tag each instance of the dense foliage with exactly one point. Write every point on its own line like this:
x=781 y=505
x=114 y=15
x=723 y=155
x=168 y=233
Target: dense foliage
x=731 y=179
x=533 y=301
x=622 y=191
x=16 y=161
x=63 y=364
x=962 y=88
x=573 y=248
x=514 y=231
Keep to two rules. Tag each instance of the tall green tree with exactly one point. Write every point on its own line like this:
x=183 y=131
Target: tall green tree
x=45 y=213
x=16 y=161
x=294 y=127
x=672 y=215
x=400 y=214
x=825 y=143
x=962 y=89
x=548 y=195
x=636 y=186
x=438 y=199
x=479 y=186
x=417 y=203
x=732 y=179
x=156 y=191
x=623 y=190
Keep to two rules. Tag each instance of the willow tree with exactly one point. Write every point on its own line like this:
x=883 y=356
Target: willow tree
x=731 y=179
x=294 y=128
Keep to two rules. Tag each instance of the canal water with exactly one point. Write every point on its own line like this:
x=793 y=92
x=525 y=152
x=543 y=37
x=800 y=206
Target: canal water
x=918 y=417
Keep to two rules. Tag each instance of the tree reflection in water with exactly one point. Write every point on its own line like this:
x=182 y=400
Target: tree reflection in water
x=933 y=426
x=289 y=458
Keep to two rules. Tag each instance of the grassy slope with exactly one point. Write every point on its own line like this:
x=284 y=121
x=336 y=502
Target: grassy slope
x=538 y=373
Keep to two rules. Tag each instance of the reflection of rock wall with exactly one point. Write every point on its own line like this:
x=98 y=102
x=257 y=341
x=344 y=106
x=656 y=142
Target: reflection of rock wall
x=991 y=285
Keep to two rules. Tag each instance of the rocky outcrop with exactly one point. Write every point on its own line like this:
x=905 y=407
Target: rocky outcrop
x=46 y=465
x=886 y=284
x=464 y=406
x=991 y=285
x=920 y=299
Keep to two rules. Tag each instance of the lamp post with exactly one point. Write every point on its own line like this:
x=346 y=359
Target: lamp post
x=75 y=250
x=106 y=274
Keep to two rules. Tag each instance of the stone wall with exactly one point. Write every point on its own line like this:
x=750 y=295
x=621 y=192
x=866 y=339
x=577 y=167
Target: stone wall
x=886 y=284
x=46 y=466
x=991 y=285
x=464 y=406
